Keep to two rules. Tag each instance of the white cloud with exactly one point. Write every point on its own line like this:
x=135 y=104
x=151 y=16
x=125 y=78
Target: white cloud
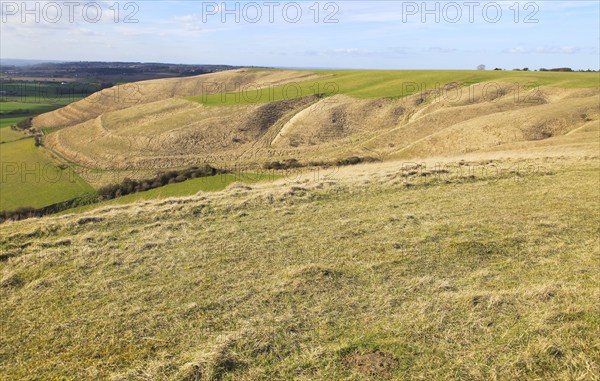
x=390 y=52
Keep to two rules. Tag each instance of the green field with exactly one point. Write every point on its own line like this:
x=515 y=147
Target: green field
x=393 y=84
x=57 y=101
x=24 y=108
x=30 y=178
x=52 y=93
x=183 y=189
x=12 y=113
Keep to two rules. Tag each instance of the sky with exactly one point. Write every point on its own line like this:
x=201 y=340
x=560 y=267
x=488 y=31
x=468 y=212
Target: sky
x=308 y=34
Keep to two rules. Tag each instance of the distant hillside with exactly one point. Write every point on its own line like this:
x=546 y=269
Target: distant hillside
x=23 y=62
x=317 y=117
x=100 y=72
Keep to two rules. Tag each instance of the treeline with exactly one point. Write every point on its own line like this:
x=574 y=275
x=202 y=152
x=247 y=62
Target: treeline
x=281 y=165
x=109 y=192
x=98 y=72
x=354 y=160
x=18 y=111
x=129 y=186
x=559 y=69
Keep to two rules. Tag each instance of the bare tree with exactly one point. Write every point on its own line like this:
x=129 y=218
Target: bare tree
x=481 y=67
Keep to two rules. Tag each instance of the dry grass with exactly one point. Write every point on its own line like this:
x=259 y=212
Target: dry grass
x=170 y=133
x=354 y=277
x=481 y=132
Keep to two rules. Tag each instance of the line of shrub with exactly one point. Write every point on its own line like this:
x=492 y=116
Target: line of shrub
x=354 y=160
x=28 y=212
x=286 y=164
x=293 y=163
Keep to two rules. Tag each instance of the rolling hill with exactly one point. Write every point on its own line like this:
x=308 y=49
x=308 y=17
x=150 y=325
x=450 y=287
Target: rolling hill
x=383 y=115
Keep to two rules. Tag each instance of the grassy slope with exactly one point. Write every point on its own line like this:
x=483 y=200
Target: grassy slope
x=390 y=84
x=31 y=178
x=477 y=280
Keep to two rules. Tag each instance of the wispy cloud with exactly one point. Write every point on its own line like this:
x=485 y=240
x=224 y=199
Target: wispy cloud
x=438 y=49
x=545 y=50
x=390 y=52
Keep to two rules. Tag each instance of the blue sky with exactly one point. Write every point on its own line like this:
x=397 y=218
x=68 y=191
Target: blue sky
x=344 y=34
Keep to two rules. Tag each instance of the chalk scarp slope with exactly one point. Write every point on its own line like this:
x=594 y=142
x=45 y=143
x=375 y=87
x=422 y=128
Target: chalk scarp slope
x=139 y=93
x=169 y=133
x=167 y=130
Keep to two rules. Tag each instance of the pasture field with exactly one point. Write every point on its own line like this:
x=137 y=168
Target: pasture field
x=369 y=84
x=31 y=178
x=22 y=108
x=6 y=121
x=463 y=278
x=53 y=100
x=12 y=113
